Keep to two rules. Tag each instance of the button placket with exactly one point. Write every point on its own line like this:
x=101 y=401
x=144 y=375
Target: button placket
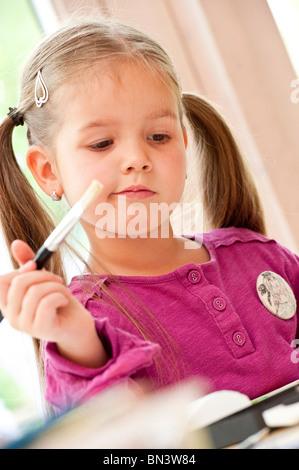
x=230 y=326
x=215 y=302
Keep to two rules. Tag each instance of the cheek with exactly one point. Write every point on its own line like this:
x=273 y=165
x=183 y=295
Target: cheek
x=179 y=158
x=176 y=174
x=76 y=176
x=73 y=186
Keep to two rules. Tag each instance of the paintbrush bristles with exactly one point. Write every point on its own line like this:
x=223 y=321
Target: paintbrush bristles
x=91 y=193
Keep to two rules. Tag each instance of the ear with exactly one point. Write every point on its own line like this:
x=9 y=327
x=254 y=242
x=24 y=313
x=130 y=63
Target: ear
x=43 y=170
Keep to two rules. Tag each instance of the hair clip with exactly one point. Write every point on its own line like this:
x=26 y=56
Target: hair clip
x=40 y=85
x=16 y=117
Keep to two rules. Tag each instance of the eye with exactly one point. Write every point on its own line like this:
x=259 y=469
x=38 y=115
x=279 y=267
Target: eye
x=159 y=138
x=102 y=145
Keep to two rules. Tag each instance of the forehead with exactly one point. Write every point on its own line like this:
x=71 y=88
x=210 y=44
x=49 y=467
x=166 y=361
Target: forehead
x=120 y=83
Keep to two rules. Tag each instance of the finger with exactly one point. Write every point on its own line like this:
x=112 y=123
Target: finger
x=33 y=301
x=21 y=251
x=20 y=284
x=29 y=266
x=47 y=322
x=6 y=279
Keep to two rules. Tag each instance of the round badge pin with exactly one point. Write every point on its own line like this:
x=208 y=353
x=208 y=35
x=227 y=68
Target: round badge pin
x=276 y=295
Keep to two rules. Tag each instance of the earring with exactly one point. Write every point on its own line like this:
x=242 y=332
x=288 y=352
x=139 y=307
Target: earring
x=55 y=196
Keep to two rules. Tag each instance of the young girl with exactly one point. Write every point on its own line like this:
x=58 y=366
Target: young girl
x=101 y=100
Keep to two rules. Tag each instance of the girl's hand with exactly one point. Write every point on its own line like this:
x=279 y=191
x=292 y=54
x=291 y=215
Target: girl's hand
x=37 y=303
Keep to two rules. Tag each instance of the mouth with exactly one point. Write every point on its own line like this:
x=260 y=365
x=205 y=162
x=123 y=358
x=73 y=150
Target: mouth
x=136 y=192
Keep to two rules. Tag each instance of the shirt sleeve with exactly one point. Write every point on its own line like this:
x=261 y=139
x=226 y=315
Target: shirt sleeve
x=69 y=384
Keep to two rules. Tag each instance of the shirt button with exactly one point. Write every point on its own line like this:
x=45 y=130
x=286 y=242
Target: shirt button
x=219 y=304
x=239 y=338
x=194 y=276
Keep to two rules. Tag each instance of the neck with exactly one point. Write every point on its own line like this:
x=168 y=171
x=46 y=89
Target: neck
x=138 y=256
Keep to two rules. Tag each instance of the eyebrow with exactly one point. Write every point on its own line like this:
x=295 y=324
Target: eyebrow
x=109 y=122
x=162 y=114
x=98 y=123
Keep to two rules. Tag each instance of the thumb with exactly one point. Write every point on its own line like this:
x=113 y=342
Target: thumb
x=21 y=252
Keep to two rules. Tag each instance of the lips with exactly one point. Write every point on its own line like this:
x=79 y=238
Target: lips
x=136 y=192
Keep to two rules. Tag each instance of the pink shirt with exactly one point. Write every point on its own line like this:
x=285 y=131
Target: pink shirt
x=209 y=323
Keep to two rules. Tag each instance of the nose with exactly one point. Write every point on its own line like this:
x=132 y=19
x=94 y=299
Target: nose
x=136 y=160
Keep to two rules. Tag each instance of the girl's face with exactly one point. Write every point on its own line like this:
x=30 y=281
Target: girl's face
x=124 y=130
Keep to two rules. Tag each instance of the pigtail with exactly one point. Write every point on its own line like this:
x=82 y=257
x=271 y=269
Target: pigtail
x=229 y=194
x=21 y=214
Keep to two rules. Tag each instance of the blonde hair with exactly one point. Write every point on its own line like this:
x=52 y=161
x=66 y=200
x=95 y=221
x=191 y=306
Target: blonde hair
x=229 y=194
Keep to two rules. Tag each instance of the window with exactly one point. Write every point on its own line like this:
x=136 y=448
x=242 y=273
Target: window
x=20 y=30
x=286 y=16
x=19 y=383
x=18 y=35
